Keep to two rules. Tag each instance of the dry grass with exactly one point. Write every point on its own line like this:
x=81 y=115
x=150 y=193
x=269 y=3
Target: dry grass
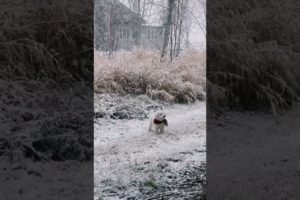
x=42 y=40
x=46 y=70
x=141 y=72
x=253 y=59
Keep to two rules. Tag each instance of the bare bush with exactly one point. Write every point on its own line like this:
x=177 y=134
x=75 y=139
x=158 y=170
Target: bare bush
x=44 y=70
x=253 y=57
x=141 y=72
x=41 y=50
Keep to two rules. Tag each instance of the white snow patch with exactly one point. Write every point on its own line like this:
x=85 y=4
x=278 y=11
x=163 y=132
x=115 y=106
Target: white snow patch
x=125 y=151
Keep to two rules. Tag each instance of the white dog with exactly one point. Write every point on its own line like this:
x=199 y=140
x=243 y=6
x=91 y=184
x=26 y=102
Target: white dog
x=159 y=122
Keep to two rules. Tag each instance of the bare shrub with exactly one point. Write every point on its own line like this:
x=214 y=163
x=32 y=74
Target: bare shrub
x=161 y=95
x=253 y=55
x=141 y=72
x=43 y=82
x=36 y=50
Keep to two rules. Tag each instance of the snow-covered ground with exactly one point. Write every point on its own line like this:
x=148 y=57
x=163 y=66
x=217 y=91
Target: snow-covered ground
x=51 y=180
x=45 y=142
x=131 y=162
x=263 y=162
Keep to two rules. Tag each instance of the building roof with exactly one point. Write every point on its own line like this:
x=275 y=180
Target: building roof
x=121 y=12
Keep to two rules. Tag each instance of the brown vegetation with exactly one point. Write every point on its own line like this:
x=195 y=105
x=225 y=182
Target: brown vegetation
x=141 y=72
x=253 y=54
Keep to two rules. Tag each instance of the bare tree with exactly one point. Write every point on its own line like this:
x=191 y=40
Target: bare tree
x=175 y=15
x=145 y=10
x=198 y=12
x=176 y=19
x=186 y=29
x=180 y=18
x=112 y=39
x=112 y=19
x=167 y=25
x=106 y=26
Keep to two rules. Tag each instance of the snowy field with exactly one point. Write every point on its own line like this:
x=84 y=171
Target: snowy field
x=45 y=142
x=133 y=163
x=26 y=180
x=269 y=144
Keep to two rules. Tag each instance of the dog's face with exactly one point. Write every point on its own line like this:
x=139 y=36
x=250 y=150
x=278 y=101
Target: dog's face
x=160 y=116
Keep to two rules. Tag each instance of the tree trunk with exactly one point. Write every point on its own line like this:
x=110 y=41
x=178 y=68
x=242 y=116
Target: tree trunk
x=178 y=48
x=171 y=44
x=183 y=6
x=139 y=23
x=167 y=28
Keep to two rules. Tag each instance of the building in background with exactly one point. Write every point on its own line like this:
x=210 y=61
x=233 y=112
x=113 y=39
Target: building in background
x=117 y=27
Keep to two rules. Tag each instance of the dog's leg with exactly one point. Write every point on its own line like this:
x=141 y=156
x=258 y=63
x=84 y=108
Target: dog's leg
x=150 y=124
x=156 y=129
x=162 y=129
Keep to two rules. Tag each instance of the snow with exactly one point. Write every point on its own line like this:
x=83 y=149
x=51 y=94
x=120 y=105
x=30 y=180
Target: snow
x=34 y=125
x=129 y=159
x=261 y=163
x=52 y=180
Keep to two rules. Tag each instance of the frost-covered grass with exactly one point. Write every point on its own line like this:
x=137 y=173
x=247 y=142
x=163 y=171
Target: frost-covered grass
x=45 y=112
x=41 y=79
x=133 y=163
x=116 y=106
x=38 y=123
x=141 y=72
x=263 y=161
x=253 y=62
x=28 y=180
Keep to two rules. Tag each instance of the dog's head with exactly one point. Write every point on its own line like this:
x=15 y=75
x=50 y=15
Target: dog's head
x=160 y=116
